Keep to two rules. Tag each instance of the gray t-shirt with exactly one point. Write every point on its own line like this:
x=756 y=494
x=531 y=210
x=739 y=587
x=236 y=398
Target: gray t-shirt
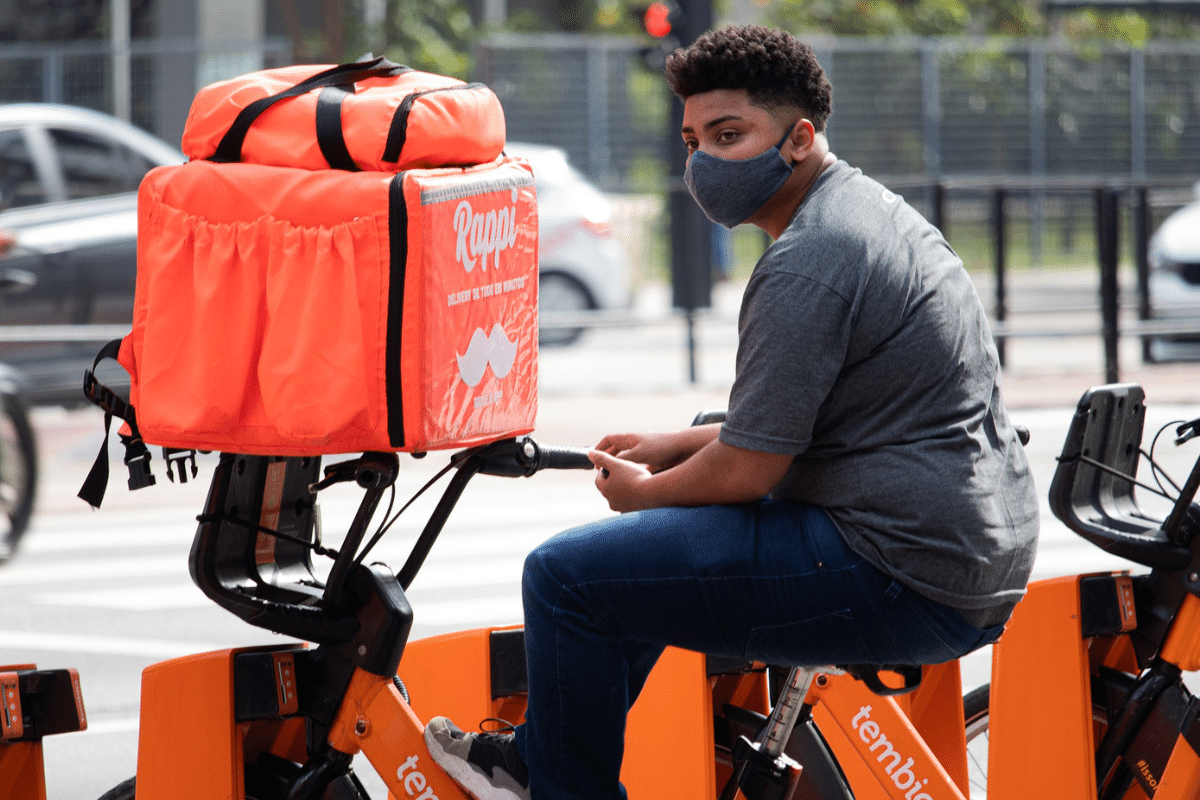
x=864 y=350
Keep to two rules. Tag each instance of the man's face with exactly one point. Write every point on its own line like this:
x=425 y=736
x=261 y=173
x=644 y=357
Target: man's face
x=725 y=124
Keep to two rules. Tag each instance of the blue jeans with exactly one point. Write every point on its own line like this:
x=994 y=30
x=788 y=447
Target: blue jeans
x=770 y=581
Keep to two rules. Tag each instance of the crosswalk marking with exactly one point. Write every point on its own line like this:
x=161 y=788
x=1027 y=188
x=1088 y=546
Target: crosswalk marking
x=477 y=560
x=108 y=726
x=139 y=598
x=100 y=645
x=100 y=569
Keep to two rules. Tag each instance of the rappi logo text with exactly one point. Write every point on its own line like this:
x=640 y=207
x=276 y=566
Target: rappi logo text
x=484 y=234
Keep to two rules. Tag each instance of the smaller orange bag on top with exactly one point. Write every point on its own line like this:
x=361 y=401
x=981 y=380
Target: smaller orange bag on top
x=283 y=311
x=367 y=115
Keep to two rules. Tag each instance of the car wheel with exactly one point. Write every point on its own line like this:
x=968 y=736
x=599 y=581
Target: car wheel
x=560 y=293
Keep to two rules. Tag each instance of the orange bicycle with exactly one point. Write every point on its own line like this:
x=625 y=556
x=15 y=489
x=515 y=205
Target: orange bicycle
x=1086 y=698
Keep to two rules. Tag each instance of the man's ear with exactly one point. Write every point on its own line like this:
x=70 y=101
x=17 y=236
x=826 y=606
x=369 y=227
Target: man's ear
x=801 y=139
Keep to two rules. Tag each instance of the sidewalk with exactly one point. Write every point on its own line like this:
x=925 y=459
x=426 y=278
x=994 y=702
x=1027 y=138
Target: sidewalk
x=1174 y=384
x=1041 y=372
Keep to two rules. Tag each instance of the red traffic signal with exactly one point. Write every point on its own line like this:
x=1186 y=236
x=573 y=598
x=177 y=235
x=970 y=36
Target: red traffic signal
x=657 y=19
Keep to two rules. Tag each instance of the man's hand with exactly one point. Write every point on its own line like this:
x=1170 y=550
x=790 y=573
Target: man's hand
x=633 y=473
x=618 y=480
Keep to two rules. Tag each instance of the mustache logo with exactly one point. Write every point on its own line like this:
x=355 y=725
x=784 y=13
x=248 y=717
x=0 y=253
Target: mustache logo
x=486 y=348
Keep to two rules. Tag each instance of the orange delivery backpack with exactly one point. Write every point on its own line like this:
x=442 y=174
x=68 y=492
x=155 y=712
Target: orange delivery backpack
x=283 y=311
x=372 y=114
x=348 y=263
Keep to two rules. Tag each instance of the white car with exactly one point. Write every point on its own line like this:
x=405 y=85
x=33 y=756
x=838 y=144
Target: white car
x=582 y=266
x=1174 y=257
x=68 y=191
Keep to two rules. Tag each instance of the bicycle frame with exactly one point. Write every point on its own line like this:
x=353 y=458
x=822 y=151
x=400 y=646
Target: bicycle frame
x=1043 y=673
x=188 y=750
x=240 y=705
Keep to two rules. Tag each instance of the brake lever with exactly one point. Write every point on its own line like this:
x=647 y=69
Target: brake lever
x=335 y=473
x=1187 y=431
x=368 y=470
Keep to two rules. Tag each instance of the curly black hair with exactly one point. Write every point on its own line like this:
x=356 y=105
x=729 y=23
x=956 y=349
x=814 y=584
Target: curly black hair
x=776 y=69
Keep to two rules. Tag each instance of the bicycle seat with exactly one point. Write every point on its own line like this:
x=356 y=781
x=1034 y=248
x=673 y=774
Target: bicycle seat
x=869 y=674
x=1092 y=492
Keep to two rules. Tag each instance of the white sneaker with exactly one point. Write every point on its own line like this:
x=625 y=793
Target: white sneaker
x=486 y=765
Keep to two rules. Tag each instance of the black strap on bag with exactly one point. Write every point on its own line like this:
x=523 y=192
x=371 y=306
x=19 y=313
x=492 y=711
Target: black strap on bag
x=398 y=130
x=343 y=76
x=330 y=137
x=137 y=456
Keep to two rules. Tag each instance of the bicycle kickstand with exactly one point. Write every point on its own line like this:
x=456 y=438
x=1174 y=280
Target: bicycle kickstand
x=762 y=770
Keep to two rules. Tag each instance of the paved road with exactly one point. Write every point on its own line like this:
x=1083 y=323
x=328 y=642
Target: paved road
x=108 y=592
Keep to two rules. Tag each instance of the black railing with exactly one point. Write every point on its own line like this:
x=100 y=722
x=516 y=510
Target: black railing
x=1107 y=195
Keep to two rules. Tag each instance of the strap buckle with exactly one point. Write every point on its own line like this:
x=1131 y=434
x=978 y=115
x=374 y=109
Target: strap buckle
x=184 y=460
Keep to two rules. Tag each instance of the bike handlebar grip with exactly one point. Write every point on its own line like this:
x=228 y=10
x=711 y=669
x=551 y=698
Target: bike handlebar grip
x=564 y=458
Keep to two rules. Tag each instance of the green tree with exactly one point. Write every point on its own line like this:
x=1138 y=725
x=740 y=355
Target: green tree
x=977 y=17
x=433 y=35
x=577 y=16
x=917 y=17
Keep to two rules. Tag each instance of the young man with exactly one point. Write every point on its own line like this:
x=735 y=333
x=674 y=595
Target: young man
x=866 y=500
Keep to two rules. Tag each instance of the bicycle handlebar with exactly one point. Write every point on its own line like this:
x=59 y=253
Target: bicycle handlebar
x=564 y=458
x=515 y=458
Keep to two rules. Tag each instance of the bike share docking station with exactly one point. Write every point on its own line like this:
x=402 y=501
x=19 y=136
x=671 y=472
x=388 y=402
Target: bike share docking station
x=34 y=704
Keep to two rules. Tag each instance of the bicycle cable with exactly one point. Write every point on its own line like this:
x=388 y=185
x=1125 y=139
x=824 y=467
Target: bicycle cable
x=1101 y=466
x=384 y=526
x=224 y=516
x=1158 y=472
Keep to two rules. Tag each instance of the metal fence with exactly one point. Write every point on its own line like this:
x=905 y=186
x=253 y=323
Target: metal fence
x=902 y=107
x=164 y=75
x=953 y=123
x=912 y=112
x=590 y=95
x=937 y=106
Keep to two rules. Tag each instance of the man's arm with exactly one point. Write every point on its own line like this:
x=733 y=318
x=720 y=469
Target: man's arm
x=716 y=473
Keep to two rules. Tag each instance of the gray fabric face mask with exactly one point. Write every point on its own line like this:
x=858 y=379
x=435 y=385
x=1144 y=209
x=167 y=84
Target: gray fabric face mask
x=728 y=190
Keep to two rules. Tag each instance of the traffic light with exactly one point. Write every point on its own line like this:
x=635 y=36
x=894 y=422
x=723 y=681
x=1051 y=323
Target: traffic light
x=662 y=20
x=656 y=19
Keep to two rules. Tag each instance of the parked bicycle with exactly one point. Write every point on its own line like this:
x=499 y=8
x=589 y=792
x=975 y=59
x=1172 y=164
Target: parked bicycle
x=18 y=448
x=18 y=463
